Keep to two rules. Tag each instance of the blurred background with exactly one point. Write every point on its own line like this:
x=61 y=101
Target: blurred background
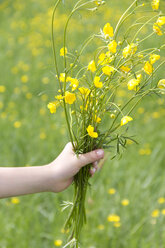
x=131 y=188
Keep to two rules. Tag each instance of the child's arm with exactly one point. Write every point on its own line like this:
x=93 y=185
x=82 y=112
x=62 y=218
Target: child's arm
x=54 y=177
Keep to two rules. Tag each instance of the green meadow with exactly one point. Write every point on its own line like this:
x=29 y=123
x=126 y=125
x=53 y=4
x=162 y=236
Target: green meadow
x=131 y=186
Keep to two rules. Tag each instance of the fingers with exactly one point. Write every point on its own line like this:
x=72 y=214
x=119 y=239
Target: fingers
x=94 y=168
x=95 y=164
x=90 y=157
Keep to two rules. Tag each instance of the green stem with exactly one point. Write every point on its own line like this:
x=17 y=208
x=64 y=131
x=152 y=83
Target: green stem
x=142 y=28
x=120 y=20
x=138 y=101
x=53 y=43
x=65 y=29
x=110 y=129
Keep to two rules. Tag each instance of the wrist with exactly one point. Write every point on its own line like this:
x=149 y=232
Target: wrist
x=51 y=178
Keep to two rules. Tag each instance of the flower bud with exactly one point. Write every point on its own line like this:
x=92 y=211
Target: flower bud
x=113 y=116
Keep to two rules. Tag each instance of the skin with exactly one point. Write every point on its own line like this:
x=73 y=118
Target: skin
x=53 y=177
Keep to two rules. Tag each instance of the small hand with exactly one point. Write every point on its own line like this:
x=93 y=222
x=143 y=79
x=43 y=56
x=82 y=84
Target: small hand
x=67 y=165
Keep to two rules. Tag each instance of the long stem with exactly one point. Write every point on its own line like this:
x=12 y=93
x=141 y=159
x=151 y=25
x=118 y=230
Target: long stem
x=81 y=51
x=53 y=43
x=119 y=22
x=146 y=37
x=75 y=8
x=55 y=63
x=135 y=95
x=142 y=27
x=110 y=129
x=65 y=29
x=138 y=101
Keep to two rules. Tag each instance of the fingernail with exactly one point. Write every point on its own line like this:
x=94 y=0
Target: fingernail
x=93 y=170
x=100 y=153
x=95 y=163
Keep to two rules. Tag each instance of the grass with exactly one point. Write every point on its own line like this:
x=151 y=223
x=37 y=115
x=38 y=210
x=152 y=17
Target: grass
x=138 y=176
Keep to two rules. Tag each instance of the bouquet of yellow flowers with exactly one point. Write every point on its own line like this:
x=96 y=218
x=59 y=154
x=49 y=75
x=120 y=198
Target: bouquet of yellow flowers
x=89 y=93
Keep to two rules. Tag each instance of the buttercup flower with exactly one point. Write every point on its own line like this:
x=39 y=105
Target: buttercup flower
x=156 y=29
x=155 y=213
x=155 y=4
x=161 y=21
x=101 y=60
x=58 y=242
x=109 y=57
x=148 y=68
x=153 y=58
x=129 y=50
x=161 y=84
x=125 y=68
x=113 y=218
x=15 y=200
x=125 y=202
x=97 y=82
x=105 y=58
x=111 y=191
x=70 y=98
x=17 y=124
x=68 y=79
x=108 y=30
x=52 y=107
x=24 y=79
x=74 y=83
x=163 y=211
x=132 y=84
x=2 y=88
x=98 y=3
x=91 y=132
x=139 y=76
x=125 y=120
x=62 y=51
x=112 y=46
x=92 y=66
x=84 y=91
x=161 y=200
x=62 y=77
x=59 y=97
x=97 y=119
x=107 y=70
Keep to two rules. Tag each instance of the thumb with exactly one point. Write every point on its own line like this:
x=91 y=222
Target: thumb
x=90 y=157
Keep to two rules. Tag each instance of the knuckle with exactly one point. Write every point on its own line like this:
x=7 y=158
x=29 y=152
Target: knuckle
x=93 y=155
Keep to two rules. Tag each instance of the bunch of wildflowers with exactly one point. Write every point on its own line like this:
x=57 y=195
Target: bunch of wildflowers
x=88 y=93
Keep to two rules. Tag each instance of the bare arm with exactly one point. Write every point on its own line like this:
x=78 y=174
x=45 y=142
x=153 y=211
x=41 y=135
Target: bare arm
x=23 y=180
x=54 y=177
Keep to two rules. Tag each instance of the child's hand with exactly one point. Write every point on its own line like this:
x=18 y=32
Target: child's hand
x=67 y=164
x=53 y=177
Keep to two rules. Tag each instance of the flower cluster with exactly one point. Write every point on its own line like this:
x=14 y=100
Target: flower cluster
x=90 y=93
x=155 y=4
x=158 y=25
